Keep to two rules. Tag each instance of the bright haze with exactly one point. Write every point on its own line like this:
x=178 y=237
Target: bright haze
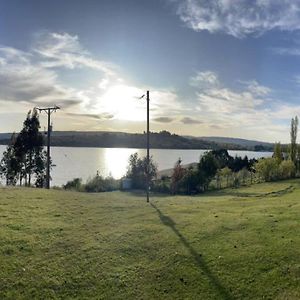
x=213 y=68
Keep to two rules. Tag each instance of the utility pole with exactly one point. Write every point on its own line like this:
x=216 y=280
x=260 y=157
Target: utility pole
x=148 y=147
x=49 y=111
x=148 y=157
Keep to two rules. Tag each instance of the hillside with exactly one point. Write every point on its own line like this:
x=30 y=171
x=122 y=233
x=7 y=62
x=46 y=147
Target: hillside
x=161 y=140
x=237 y=141
x=233 y=244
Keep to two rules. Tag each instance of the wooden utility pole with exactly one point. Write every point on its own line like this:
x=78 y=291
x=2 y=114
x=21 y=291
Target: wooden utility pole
x=49 y=111
x=148 y=150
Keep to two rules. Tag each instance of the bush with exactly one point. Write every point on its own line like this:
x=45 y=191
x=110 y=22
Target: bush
x=75 y=184
x=137 y=171
x=287 y=169
x=100 y=184
x=268 y=169
x=162 y=185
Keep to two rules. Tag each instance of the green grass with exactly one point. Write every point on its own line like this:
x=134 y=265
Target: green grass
x=231 y=244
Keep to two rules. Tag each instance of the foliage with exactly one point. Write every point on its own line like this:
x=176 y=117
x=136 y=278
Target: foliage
x=268 y=169
x=287 y=169
x=162 y=185
x=100 y=184
x=278 y=155
x=9 y=166
x=137 y=171
x=207 y=169
x=191 y=182
x=227 y=173
x=293 y=134
x=25 y=156
x=94 y=185
x=75 y=184
x=177 y=176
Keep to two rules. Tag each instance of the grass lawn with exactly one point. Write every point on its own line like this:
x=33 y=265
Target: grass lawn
x=231 y=244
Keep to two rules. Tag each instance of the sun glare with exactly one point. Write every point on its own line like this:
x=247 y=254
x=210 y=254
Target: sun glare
x=122 y=102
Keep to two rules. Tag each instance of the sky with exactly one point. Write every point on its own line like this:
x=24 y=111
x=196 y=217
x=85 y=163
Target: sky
x=213 y=68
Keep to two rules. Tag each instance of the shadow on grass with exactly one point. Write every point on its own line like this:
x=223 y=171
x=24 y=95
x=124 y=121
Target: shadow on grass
x=198 y=259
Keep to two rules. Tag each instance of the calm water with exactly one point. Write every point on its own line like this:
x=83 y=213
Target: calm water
x=85 y=162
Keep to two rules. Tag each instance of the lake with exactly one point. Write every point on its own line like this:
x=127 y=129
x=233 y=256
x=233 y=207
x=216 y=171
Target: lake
x=72 y=162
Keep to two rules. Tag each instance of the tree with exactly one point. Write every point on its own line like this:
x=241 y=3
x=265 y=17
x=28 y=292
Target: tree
x=177 y=176
x=29 y=149
x=227 y=173
x=293 y=133
x=137 y=171
x=9 y=165
x=287 y=169
x=267 y=169
x=207 y=169
x=25 y=156
x=278 y=155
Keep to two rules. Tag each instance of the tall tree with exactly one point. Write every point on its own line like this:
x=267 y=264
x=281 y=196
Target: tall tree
x=278 y=155
x=29 y=150
x=293 y=133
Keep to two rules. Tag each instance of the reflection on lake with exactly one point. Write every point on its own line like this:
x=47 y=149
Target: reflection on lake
x=72 y=162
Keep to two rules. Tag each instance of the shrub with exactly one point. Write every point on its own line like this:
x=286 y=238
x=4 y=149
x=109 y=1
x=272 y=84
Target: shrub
x=268 y=169
x=177 y=176
x=75 y=184
x=100 y=184
x=137 y=171
x=162 y=185
x=287 y=169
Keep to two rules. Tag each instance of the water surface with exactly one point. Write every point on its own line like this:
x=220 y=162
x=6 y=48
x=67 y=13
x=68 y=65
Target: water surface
x=72 y=162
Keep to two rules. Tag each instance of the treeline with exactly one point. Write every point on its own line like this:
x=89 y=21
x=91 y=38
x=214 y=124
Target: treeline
x=216 y=169
x=158 y=140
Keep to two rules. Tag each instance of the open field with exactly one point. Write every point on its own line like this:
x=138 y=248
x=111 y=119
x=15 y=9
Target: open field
x=231 y=244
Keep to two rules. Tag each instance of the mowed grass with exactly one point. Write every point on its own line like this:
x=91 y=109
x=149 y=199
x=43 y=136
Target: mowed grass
x=232 y=244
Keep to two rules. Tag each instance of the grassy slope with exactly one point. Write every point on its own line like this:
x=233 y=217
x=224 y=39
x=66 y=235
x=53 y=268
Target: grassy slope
x=234 y=244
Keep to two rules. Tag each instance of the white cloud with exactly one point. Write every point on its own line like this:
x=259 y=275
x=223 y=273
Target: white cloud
x=64 y=50
x=255 y=88
x=34 y=78
x=21 y=80
x=245 y=113
x=204 y=79
x=240 y=18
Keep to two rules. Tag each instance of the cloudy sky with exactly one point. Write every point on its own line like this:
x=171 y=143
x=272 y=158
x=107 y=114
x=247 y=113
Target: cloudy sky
x=218 y=67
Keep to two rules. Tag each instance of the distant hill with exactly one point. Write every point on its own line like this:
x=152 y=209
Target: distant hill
x=247 y=144
x=160 y=140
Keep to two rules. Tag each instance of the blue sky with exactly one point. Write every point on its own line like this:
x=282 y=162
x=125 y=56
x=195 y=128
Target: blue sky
x=222 y=68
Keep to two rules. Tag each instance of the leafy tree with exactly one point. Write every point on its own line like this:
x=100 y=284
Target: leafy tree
x=29 y=150
x=137 y=171
x=287 y=169
x=9 y=165
x=191 y=182
x=244 y=174
x=267 y=169
x=293 y=133
x=207 y=169
x=226 y=173
x=25 y=156
x=278 y=155
x=177 y=176
x=222 y=156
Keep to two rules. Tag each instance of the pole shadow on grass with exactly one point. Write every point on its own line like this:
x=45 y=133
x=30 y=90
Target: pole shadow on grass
x=167 y=221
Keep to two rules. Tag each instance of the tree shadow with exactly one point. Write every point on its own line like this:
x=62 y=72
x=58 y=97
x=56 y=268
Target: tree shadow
x=167 y=221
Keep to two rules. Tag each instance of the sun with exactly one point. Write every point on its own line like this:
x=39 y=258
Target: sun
x=122 y=102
